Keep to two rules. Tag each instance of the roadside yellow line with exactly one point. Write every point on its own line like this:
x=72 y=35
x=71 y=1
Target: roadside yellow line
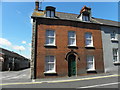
x=82 y=79
x=20 y=83
x=58 y=81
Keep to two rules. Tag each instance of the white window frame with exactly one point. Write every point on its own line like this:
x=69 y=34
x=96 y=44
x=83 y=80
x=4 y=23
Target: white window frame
x=71 y=38
x=48 y=37
x=89 y=39
x=116 y=55
x=48 y=63
x=93 y=68
x=113 y=36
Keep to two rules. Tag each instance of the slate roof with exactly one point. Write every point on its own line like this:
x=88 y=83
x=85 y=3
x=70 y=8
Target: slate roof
x=74 y=17
x=10 y=53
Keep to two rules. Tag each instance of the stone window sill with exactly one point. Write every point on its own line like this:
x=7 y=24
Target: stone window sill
x=89 y=47
x=91 y=70
x=114 y=40
x=75 y=47
x=50 y=46
x=116 y=63
x=49 y=72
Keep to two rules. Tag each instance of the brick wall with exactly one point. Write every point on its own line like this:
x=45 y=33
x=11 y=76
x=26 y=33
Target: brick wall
x=61 y=28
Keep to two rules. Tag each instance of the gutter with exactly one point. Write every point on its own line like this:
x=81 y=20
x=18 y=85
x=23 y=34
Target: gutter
x=97 y=23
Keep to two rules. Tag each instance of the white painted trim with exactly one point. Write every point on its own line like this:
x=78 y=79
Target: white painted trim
x=54 y=43
x=118 y=61
x=51 y=71
x=49 y=45
x=72 y=37
x=92 y=44
x=93 y=69
x=114 y=39
x=89 y=46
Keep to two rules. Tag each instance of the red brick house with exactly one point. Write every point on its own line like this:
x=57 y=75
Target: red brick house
x=65 y=44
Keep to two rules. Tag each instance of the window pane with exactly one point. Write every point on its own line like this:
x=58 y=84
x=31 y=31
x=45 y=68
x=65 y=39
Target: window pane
x=90 y=58
x=49 y=63
x=88 y=38
x=51 y=66
x=88 y=35
x=71 y=38
x=115 y=59
x=51 y=40
x=47 y=33
x=47 y=40
x=51 y=33
x=114 y=52
x=52 y=13
x=50 y=37
x=48 y=13
x=115 y=55
x=52 y=59
x=71 y=34
x=72 y=41
x=88 y=42
x=85 y=17
x=113 y=35
x=47 y=68
x=90 y=64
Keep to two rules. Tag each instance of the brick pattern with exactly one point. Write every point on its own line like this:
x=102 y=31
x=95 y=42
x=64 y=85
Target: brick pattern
x=61 y=28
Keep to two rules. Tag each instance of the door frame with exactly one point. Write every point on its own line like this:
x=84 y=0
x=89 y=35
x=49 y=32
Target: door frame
x=75 y=61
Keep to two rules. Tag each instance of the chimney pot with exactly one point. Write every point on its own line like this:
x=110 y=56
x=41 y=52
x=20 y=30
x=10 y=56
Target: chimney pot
x=37 y=5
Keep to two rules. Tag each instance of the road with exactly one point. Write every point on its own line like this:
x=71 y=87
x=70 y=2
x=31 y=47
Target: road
x=99 y=81
x=11 y=76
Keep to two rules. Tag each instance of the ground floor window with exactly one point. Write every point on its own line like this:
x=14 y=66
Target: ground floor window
x=49 y=64
x=90 y=63
x=115 y=55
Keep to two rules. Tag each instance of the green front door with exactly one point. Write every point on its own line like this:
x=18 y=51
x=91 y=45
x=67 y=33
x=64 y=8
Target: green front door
x=71 y=65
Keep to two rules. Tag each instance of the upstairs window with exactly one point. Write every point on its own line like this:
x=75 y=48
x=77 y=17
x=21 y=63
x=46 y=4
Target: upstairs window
x=71 y=38
x=115 y=55
x=50 y=13
x=85 y=14
x=85 y=18
x=113 y=35
x=50 y=37
x=88 y=40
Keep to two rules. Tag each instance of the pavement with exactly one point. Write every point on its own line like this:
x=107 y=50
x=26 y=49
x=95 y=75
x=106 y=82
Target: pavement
x=22 y=79
x=101 y=75
x=24 y=75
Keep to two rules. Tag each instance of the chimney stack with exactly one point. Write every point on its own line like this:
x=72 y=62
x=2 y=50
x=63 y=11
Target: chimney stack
x=85 y=9
x=37 y=5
